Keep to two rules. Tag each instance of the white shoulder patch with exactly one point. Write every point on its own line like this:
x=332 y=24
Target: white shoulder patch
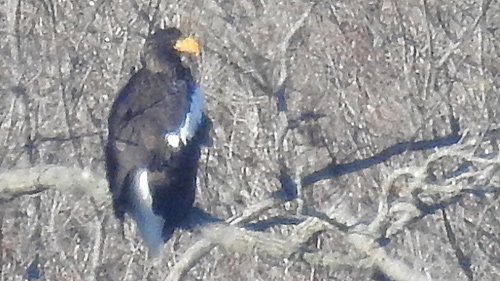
x=173 y=139
x=191 y=123
x=193 y=117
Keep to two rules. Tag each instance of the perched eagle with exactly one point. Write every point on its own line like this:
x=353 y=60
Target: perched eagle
x=156 y=127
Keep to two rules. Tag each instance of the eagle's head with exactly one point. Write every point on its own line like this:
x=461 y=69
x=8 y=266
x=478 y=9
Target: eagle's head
x=166 y=46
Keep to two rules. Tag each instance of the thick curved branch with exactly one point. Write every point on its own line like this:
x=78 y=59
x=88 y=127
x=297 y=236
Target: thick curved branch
x=417 y=196
x=18 y=182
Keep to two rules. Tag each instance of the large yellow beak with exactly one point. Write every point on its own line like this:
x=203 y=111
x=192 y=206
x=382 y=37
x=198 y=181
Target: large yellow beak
x=187 y=45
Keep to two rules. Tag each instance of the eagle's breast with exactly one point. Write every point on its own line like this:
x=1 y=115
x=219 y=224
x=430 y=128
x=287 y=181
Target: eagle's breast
x=191 y=122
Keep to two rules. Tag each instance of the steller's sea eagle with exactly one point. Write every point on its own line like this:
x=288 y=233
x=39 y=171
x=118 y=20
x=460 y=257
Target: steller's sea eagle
x=156 y=127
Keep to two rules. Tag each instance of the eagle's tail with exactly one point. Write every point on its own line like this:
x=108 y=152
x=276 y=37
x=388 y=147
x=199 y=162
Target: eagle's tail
x=149 y=224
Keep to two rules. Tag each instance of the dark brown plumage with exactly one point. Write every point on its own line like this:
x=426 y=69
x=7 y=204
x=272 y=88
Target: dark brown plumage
x=156 y=128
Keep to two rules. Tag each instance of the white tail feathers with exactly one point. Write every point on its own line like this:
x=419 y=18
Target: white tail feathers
x=150 y=225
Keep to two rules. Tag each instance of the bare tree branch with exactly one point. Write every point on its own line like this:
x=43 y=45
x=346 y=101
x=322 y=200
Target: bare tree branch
x=473 y=174
x=17 y=182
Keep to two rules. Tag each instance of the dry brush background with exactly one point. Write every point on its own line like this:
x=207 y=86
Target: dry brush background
x=352 y=140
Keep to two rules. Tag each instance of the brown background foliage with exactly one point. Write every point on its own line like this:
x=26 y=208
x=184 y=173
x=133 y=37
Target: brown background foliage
x=359 y=78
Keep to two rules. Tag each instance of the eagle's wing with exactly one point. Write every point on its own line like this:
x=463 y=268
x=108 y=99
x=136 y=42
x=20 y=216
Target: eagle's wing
x=147 y=109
